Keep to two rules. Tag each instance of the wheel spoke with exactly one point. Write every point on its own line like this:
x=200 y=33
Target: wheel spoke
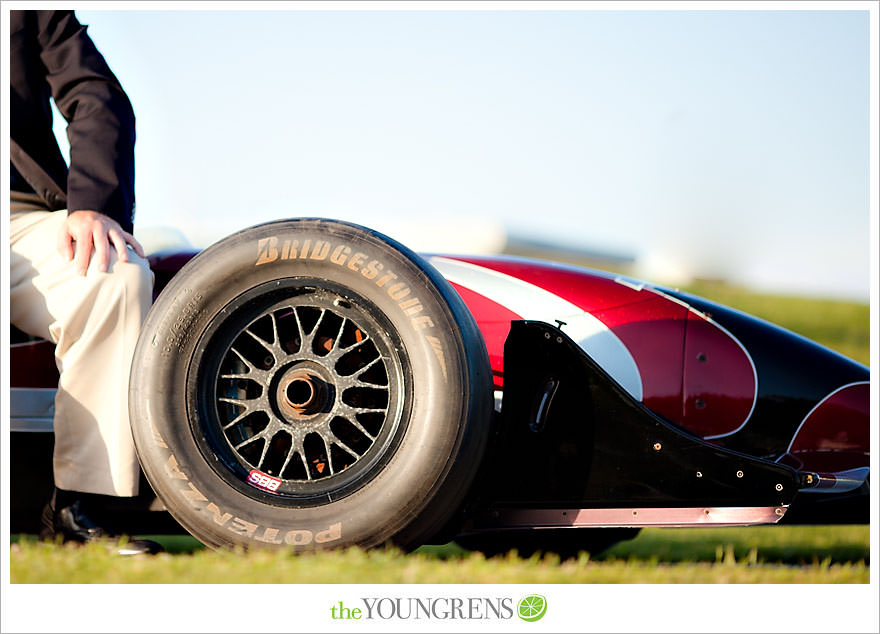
x=300 y=450
x=351 y=410
x=311 y=336
x=349 y=413
x=305 y=465
x=266 y=434
x=340 y=352
x=337 y=441
x=329 y=456
x=370 y=365
x=276 y=341
x=356 y=344
x=253 y=371
x=334 y=346
x=260 y=340
x=248 y=441
x=236 y=376
x=299 y=328
x=365 y=369
x=235 y=420
x=235 y=401
x=287 y=458
x=267 y=438
x=274 y=347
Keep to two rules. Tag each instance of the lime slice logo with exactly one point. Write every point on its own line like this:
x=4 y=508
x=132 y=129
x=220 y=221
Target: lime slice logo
x=532 y=608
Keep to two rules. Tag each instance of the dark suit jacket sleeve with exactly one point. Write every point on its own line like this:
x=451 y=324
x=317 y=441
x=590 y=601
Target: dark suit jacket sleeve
x=99 y=115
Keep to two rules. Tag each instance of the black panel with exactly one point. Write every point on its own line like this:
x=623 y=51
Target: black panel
x=595 y=446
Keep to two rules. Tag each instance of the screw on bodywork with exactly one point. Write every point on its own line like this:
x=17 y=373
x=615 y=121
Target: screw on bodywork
x=657 y=446
x=739 y=474
x=779 y=487
x=699 y=474
x=779 y=511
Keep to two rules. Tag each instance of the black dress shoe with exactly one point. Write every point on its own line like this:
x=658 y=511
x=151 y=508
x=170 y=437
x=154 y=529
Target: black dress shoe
x=65 y=516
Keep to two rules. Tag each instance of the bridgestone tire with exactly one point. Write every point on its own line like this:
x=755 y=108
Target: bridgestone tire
x=310 y=384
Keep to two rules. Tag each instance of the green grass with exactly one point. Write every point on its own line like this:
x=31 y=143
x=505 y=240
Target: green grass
x=840 y=325
x=788 y=545
x=766 y=554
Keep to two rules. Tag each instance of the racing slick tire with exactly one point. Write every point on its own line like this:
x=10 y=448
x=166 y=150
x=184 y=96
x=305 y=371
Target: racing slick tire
x=310 y=384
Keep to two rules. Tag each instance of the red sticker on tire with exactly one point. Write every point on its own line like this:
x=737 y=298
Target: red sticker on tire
x=263 y=481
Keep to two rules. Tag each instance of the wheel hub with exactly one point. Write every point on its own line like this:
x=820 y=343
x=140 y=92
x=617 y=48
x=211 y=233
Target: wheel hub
x=304 y=391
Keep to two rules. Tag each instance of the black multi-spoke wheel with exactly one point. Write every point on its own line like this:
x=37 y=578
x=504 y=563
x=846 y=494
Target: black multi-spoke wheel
x=301 y=390
x=310 y=384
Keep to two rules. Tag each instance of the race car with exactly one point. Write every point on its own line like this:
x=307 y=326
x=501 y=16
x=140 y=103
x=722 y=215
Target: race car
x=310 y=383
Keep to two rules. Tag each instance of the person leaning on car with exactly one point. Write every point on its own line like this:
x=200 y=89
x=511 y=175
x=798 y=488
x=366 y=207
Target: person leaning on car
x=78 y=277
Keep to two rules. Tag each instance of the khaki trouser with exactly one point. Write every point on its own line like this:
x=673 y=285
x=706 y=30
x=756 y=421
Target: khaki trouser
x=94 y=322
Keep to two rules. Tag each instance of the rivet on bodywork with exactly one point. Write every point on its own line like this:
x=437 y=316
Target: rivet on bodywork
x=657 y=446
x=699 y=474
x=739 y=474
x=779 y=511
x=779 y=487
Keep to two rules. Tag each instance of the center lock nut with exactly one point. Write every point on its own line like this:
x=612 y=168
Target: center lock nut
x=304 y=392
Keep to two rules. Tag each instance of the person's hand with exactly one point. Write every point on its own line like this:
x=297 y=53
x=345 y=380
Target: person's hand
x=85 y=230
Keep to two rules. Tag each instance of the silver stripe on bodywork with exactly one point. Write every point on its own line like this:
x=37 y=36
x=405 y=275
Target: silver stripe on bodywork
x=31 y=409
x=537 y=304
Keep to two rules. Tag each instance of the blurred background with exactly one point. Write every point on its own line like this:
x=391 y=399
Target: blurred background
x=675 y=146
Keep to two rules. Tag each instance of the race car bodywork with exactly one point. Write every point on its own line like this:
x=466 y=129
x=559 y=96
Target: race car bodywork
x=616 y=403
x=719 y=375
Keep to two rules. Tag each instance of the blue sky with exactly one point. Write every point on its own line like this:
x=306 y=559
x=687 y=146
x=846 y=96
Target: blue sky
x=715 y=143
